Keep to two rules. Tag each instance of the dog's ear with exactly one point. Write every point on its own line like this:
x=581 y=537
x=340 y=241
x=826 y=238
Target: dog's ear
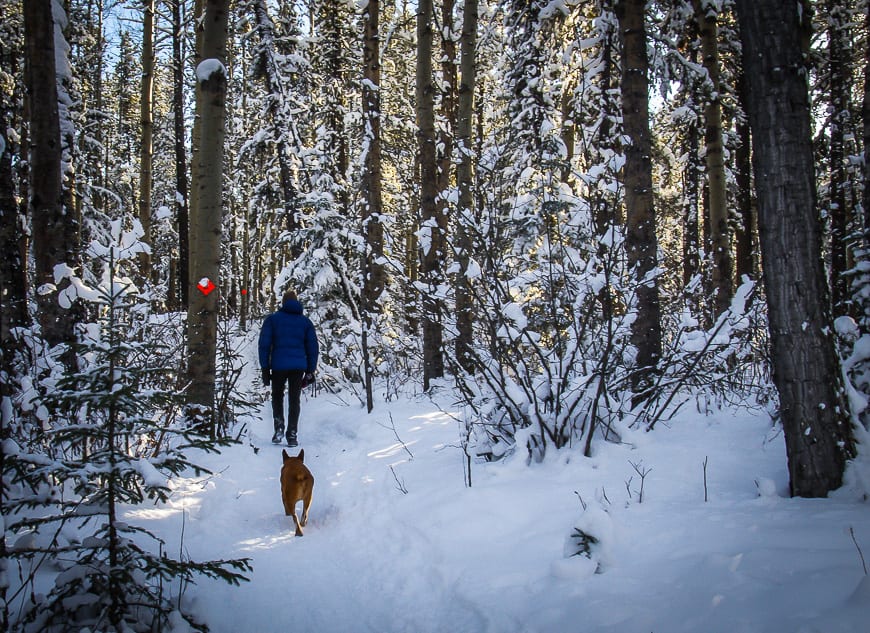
x=284 y=453
x=301 y=455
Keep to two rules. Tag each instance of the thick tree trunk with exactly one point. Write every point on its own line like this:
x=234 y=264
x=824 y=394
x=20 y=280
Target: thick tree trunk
x=720 y=233
x=431 y=220
x=146 y=148
x=465 y=184
x=51 y=223
x=641 y=240
x=806 y=372
x=206 y=214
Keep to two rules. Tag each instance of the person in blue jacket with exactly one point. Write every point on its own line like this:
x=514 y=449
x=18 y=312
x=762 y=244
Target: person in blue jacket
x=288 y=356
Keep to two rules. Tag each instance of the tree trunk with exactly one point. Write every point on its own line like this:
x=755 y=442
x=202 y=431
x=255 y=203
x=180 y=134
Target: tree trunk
x=447 y=121
x=465 y=184
x=839 y=77
x=720 y=240
x=641 y=241
x=806 y=372
x=691 y=200
x=374 y=277
x=431 y=221
x=744 y=249
x=146 y=148
x=691 y=203
x=51 y=223
x=445 y=144
x=206 y=213
x=180 y=298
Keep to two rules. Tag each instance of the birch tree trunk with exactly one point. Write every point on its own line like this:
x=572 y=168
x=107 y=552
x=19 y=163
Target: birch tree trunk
x=641 y=240
x=206 y=213
x=806 y=372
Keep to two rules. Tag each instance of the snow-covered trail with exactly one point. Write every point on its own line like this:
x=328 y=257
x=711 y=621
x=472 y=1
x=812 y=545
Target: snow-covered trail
x=365 y=562
x=491 y=558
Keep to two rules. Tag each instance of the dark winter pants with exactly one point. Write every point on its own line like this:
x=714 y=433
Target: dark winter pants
x=292 y=379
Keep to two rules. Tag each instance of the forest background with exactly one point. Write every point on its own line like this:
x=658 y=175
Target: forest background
x=582 y=212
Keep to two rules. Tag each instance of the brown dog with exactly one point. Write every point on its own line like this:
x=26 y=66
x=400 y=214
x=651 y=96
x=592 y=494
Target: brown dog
x=297 y=484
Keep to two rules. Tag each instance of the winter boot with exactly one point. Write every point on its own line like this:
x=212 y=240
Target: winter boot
x=291 y=439
x=279 y=431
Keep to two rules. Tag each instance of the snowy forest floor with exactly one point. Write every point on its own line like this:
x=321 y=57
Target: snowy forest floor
x=495 y=557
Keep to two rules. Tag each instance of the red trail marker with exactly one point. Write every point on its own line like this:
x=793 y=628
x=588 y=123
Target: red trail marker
x=205 y=286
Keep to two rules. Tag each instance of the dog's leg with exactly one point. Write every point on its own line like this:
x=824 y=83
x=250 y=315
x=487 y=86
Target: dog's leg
x=288 y=509
x=296 y=521
x=306 y=502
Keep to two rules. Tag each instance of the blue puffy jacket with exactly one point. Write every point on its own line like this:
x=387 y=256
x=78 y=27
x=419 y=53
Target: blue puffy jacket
x=288 y=340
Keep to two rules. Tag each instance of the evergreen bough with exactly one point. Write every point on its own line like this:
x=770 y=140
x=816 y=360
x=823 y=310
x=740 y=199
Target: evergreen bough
x=109 y=438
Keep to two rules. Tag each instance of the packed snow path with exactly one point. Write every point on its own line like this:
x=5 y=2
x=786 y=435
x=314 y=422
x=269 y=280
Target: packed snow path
x=492 y=558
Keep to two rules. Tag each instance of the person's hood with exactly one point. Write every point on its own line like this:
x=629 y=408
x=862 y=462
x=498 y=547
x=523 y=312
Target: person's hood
x=292 y=306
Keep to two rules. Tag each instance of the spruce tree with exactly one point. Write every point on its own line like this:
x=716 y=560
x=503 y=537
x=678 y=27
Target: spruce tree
x=109 y=437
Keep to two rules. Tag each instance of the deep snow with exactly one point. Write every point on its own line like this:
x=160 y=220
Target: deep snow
x=494 y=557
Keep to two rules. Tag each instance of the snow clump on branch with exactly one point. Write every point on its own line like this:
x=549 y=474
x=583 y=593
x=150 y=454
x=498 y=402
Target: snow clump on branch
x=209 y=67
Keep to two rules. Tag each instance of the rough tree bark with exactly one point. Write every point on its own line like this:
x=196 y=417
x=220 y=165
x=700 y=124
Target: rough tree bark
x=374 y=274
x=641 y=241
x=51 y=222
x=840 y=81
x=806 y=371
x=720 y=233
x=464 y=182
x=432 y=222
